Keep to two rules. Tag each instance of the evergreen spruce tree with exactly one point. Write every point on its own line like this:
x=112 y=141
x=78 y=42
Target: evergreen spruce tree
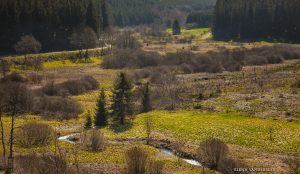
x=88 y=121
x=146 y=105
x=101 y=113
x=176 y=28
x=122 y=104
x=91 y=17
x=105 y=16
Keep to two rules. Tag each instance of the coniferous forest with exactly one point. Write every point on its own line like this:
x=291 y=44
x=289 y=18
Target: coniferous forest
x=257 y=19
x=50 y=22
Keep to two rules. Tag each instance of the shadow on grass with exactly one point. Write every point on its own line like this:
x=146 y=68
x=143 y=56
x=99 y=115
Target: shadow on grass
x=118 y=128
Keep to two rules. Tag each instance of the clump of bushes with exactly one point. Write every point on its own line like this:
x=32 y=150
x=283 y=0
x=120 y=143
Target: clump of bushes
x=57 y=107
x=14 y=77
x=215 y=154
x=35 y=78
x=212 y=62
x=76 y=87
x=40 y=164
x=34 y=134
x=296 y=85
x=155 y=167
x=72 y=87
x=129 y=58
x=138 y=162
x=92 y=140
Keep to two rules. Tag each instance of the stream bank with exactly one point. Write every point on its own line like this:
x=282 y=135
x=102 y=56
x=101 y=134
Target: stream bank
x=164 y=146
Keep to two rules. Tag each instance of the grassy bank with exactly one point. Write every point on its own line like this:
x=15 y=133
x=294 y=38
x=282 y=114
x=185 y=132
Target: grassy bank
x=232 y=128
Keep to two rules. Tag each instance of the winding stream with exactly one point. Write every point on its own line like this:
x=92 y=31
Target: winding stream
x=166 y=152
x=171 y=153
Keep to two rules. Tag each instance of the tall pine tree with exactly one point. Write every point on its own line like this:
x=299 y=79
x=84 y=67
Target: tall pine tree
x=146 y=105
x=88 y=121
x=91 y=17
x=122 y=104
x=176 y=28
x=105 y=16
x=101 y=113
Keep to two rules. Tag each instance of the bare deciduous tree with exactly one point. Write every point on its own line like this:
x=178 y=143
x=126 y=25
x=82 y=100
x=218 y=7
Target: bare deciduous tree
x=126 y=40
x=17 y=101
x=27 y=45
x=85 y=38
x=212 y=151
x=2 y=105
x=172 y=88
x=4 y=67
x=149 y=127
x=93 y=140
x=136 y=159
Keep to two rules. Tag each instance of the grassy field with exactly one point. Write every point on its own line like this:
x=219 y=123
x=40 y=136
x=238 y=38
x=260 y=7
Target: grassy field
x=233 y=128
x=69 y=63
x=197 y=32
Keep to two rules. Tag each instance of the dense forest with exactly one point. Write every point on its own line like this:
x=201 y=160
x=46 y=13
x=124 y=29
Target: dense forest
x=257 y=19
x=50 y=22
x=135 y=12
x=201 y=19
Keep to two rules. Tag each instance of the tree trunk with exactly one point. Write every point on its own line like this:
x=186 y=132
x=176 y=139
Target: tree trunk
x=10 y=159
x=86 y=56
x=25 y=59
x=122 y=119
x=2 y=139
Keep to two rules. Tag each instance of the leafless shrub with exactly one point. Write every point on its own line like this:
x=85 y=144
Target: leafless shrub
x=185 y=40
x=41 y=164
x=15 y=77
x=57 y=107
x=168 y=93
x=34 y=134
x=215 y=154
x=227 y=165
x=92 y=140
x=35 y=78
x=212 y=62
x=155 y=167
x=256 y=60
x=126 y=40
x=3 y=164
x=148 y=123
x=51 y=89
x=294 y=164
x=136 y=159
x=76 y=87
x=4 y=67
x=124 y=58
x=73 y=87
x=212 y=151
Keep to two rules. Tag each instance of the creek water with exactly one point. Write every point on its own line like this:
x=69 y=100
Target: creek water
x=171 y=153
x=69 y=139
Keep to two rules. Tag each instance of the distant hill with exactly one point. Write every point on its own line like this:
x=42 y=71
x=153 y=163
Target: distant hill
x=135 y=12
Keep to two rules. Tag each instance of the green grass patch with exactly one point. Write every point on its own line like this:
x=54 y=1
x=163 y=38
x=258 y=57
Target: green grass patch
x=192 y=32
x=69 y=63
x=233 y=128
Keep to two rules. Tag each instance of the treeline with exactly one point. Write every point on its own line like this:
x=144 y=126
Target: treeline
x=202 y=19
x=136 y=12
x=133 y=12
x=257 y=19
x=50 y=22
